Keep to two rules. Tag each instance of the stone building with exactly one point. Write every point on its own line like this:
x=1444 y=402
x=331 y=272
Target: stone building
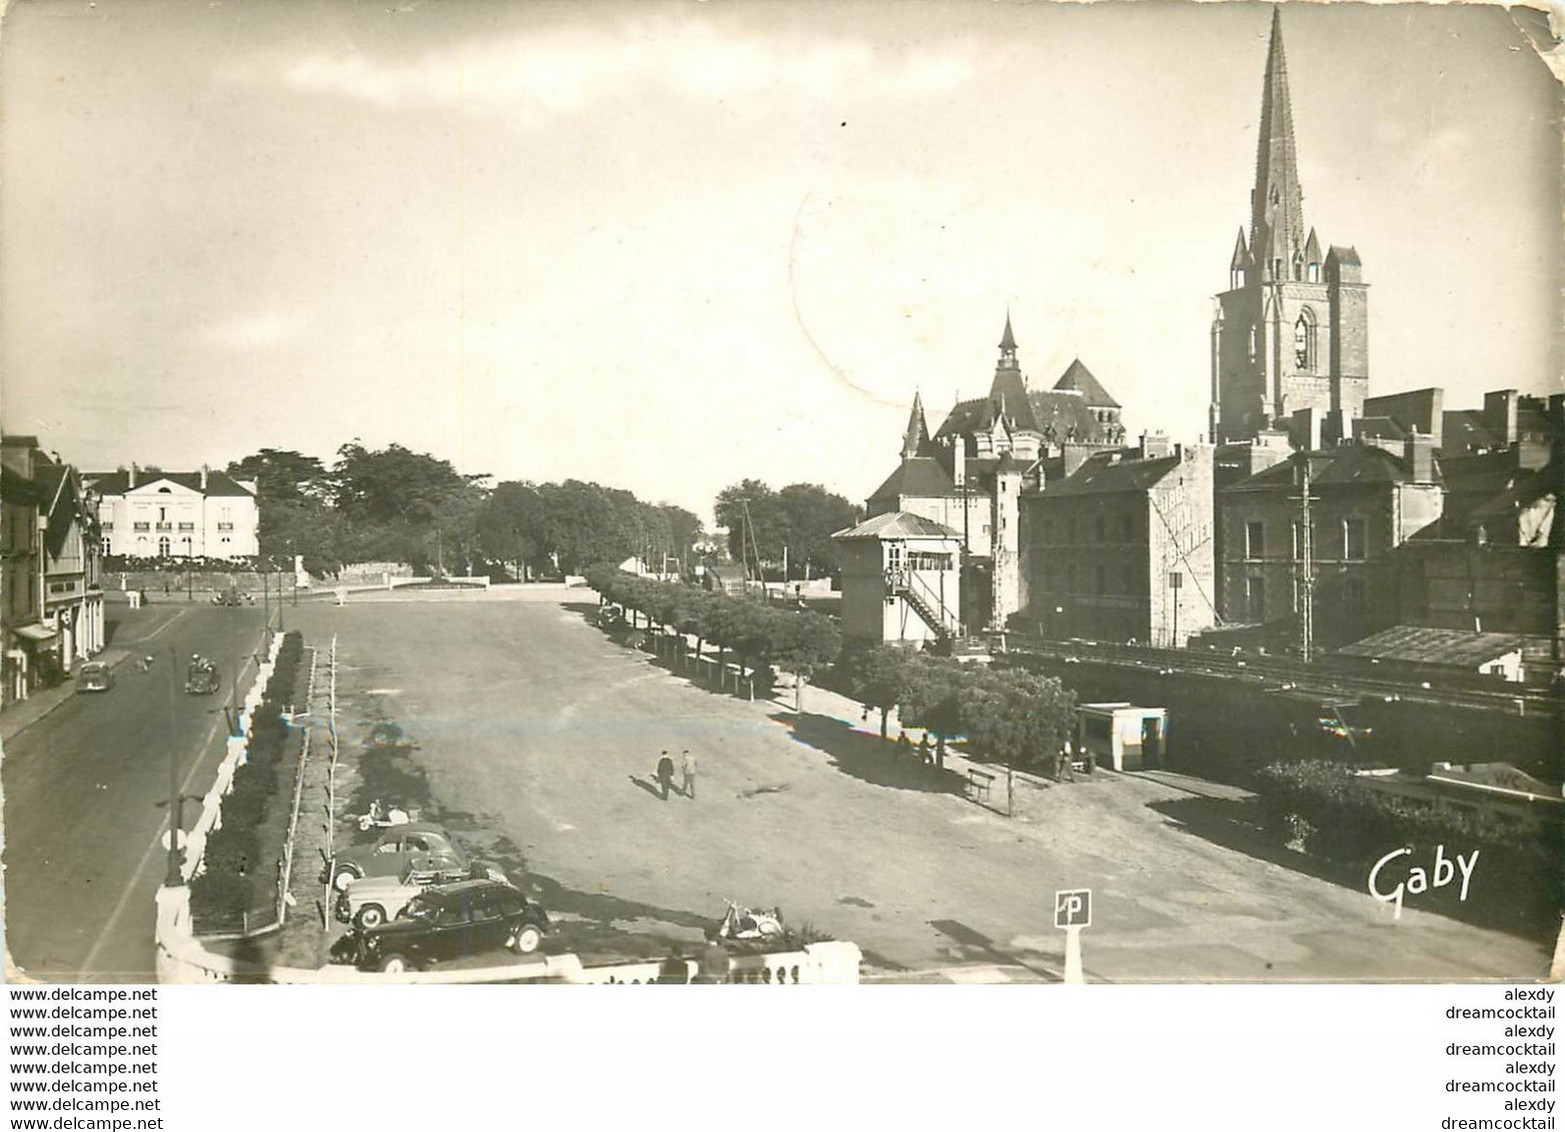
x=72 y=587
x=1364 y=502
x=900 y=580
x=972 y=474
x=21 y=574
x=157 y=514
x=1122 y=548
x=1291 y=334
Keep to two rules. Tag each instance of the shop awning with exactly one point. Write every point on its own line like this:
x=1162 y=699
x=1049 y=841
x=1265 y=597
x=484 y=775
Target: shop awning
x=39 y=633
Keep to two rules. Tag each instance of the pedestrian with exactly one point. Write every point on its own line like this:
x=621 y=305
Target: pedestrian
x=1066 y=773
x=904 y=747
x=665 y=773
x=687 y=767
x=923 y=750
x=674 y=969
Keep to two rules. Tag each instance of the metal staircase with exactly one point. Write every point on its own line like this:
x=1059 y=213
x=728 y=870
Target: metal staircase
x=901 y=584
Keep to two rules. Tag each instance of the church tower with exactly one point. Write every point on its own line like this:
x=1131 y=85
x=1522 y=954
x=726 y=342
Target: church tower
x=1292 y=331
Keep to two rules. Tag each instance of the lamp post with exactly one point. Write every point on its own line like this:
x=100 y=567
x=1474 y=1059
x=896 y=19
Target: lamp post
x=190 y=582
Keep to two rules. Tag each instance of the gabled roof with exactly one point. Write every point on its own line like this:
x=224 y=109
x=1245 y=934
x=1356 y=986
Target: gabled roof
x=118 y=483
x=897 y=524
x=1063 y=415
x=1079 y=378
x=1348 y=256
x=1107 y=473
x=1241 y=256
x=917 y=477
x=1419 y=645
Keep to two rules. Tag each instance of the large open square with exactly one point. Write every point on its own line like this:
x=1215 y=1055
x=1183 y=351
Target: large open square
x=534 y=737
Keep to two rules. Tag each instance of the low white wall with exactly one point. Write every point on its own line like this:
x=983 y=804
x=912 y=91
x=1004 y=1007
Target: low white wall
x=182 y=960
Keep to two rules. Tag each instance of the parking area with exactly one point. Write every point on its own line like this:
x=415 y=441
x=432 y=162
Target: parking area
x=534 y=738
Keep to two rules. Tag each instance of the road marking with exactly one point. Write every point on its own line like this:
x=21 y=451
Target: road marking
x=157 y=839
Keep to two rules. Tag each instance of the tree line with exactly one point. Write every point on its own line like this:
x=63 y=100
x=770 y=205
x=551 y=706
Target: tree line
x=1006 y=715
x=396 y=505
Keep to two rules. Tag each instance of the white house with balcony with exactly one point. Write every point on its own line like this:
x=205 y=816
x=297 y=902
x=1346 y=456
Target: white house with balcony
x=901 y=579
x=146 y=513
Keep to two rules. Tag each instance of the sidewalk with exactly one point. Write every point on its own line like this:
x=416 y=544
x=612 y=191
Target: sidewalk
x=20 y=716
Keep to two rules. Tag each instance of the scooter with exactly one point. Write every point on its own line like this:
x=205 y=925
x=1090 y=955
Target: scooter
x=380 y=817
x=744 y=924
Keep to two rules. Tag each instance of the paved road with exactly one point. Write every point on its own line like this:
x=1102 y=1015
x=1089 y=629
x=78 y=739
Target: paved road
x=534 y=736
x=86 y=790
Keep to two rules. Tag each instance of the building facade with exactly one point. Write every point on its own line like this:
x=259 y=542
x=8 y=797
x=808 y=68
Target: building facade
x=157 y=514
x=72 y=587
x=900 y=580
x=1122 y=549
x=21 y=573
x=1291 y=333
x=1363 y=503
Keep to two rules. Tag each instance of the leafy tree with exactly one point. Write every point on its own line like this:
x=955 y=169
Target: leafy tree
x=582 y=525
x=283 y=476
x=803 y=643
x=810 y=516
x=879 y=677
x=931 y=700
x=684 y=530
x=511 y=526
x=752 y=506
x=1015 y=717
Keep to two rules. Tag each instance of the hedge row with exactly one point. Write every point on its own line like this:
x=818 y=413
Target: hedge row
x=1519 y=880
x=238 y=870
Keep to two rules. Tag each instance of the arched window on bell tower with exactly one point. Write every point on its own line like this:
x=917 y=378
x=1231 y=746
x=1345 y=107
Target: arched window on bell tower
x=1304 y=334
x=1255 y=342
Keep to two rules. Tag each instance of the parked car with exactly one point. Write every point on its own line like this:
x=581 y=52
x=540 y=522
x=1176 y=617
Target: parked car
x=391 y=853
x=447 y=922
x=201 y=679
x=95 y=676
x=376 y=899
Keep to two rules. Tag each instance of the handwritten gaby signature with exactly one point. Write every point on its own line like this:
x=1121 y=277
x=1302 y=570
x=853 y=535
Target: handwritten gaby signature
x=1417 y=880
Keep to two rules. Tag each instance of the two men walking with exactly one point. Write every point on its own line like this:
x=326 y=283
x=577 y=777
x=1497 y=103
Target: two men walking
x=665 y=775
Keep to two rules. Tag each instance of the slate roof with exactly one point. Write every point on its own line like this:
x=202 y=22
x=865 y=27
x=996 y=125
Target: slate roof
x=1377 y=428
x=1079 y=378
x=118 y=483
x=1064 y=415
x=1345 y=465
x=1463 y=430
x=920 y=476
x=897 y=524
x=1419 y=645
x=1107 y=473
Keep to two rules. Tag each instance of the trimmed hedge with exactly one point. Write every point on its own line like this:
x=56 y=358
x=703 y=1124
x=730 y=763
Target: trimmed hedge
x=1519 y=881
x=234 y=878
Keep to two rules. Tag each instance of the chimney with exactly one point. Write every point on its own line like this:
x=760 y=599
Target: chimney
x=1155 y=445
x=1499 y=414
x=959 y=459
x=1418 y=454
x=131 y=481
x=204 y=470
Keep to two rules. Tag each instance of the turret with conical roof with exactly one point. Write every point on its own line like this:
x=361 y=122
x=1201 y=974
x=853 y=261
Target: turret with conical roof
x=915 y=439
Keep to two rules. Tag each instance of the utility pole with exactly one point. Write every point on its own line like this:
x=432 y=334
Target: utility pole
x=1306 y=576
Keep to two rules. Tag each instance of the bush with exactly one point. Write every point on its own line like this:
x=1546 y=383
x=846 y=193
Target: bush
x=1330 y=812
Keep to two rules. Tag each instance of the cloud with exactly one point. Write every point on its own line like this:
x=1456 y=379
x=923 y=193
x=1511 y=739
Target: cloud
x=535 y=78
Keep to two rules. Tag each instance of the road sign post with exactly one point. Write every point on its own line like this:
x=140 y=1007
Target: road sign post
x=1072 y=912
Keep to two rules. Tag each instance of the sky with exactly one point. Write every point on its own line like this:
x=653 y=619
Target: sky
x=668 y=246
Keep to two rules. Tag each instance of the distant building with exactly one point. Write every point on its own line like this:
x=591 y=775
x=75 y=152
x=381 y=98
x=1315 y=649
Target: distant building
x=1417 y=650
x=900 y=582
x=21 y=572
x=1496 y=788
x=1364 y=503
x=157 y=514
x=72 y=588
x=725 y=578
x=988 y=452
x=1122 y=548
x=1291 y=334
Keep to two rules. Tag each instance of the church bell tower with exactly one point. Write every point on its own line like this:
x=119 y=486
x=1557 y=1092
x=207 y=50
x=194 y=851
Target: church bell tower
x=1292 y=331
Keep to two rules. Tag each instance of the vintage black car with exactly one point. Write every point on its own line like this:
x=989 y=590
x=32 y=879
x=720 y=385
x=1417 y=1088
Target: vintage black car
x=201 y=678
x=447 y=922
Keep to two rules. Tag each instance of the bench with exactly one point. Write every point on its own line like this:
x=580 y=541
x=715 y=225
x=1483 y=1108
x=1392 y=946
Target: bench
x=978 y=784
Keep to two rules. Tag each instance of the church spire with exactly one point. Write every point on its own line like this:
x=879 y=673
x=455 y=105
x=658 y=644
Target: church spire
x=1277 y=232
x=916 y=439
x=1008 y=340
